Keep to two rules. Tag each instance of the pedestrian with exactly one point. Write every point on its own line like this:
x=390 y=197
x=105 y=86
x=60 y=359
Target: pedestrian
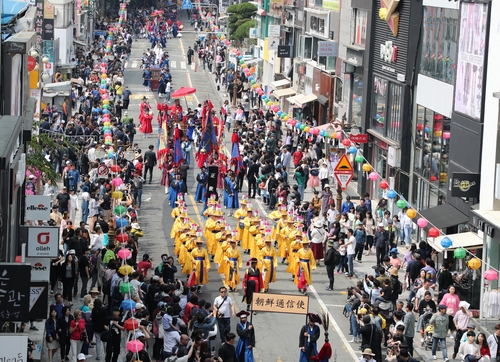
x=69 y=274
x=367 y=355
x=138 y=182
x=224 y=310
x=332 y=258
x=51 y=335
x=227 y=352
x=461 y=321
x=380 y=241
x=351 y=252
x=308 y=337
x=409 y=322
x=99 y=323
x=84 y=266
x=318 y=239
x=252 y=282
x=440 y=322
x=246 y=343
x=63 y=200
x=78 y=335
x=150 y=162
x=360 y=236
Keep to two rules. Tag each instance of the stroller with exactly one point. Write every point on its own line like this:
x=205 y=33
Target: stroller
x=428 y=329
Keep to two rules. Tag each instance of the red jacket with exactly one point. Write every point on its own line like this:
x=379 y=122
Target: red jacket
x=297 y=156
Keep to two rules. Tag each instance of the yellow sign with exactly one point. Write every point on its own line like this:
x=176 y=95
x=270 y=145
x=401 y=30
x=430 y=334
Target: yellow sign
x=344 y=164
x=280 y=303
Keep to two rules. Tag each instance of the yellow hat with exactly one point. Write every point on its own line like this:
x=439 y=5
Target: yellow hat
x=212 y=201
x=268 y=238
x=215 y=213
x=249 y=209
x=256 y=219
x=243 y=201
x=305 y=241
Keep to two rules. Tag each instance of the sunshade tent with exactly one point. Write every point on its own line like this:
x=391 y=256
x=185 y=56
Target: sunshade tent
x=183 y=92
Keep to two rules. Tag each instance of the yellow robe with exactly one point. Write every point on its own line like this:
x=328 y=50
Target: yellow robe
x=253 y=232
x=201 y=264
x=185 y=253
x=176 y=211
x=240 y=215
x=246 y=236
x=221 y=243
x=286 y=238
x=295 y=245
x=269 y=262
x=211 y=229
x=231 y=259
x=305 y=263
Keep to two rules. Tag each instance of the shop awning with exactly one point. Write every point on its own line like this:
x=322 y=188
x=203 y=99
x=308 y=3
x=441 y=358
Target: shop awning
x=322 y=99
x=337 y=127
x=58 y=87
x=467 y=240
x=293 y=98
x=443 y=216
x=80 y=43
x=284 y=92
x=280 y=83
x=301 y=101
x=254 y=60
x=11 y=9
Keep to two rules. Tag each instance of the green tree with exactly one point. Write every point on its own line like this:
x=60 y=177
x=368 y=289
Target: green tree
x=240 y=20
x=243 y=30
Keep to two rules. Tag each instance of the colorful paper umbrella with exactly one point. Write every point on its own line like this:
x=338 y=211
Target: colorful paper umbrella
x=131 y=324
x=125 y=269
x=124 y=254
x=122 y=238
x=121 y=223
x=125 y=287
x=120 y=210
x=134 y=346
x=128 y=304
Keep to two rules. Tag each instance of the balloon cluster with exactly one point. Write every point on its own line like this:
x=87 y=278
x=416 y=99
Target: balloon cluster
x=123 y=7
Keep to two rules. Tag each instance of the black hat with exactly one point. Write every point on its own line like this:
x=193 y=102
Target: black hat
x=314 y=318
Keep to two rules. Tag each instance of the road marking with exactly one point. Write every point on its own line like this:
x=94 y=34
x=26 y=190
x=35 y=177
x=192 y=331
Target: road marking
x=335 y=305
x=334 y=324
x=173 y=64
x=183 y=65
x=134 y=64
x=190 y=84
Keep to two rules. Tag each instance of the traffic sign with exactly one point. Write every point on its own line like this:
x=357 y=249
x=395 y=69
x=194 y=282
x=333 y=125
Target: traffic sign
x=343 y=172
x=102 y=170
x=186 y=4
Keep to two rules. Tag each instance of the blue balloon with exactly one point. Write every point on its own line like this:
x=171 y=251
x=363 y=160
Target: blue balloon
x=105 y=111
x=297 y=125
x=121 y=222
x=128 y=304
x=446 y=242
x=103 y=86
x=322 y=133
x=250 y=78
x=352 y=150
x=391 y=194
x=279 y=113
x=240 y=57
x=426 y=129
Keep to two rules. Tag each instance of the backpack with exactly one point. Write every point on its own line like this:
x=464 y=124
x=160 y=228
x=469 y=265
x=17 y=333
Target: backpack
x=106 y=288
x=117 y=296
x=336 y=257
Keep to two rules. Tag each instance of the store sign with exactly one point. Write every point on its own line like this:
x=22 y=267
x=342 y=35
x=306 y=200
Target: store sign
x=465 y=185
x=274 y=31
x=40 y=268
x=284 y=51
x=280 y=303
x=328 y=48
x=43 y=242
x=388 y=52
x=39 y=295
x=359 y=138
x=15 y=289
x=37 y=207
x=389 y=14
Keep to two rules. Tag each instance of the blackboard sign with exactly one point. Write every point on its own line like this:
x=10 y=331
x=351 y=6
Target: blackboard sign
x=213 y=174
x=14 y=291
x=284 y=51
x=39 y=296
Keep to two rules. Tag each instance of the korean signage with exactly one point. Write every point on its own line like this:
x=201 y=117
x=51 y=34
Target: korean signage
x=284 y=51
x=48 y=21
x=37 y=207
x=327 y=48
x=13 y=347
x=43 y=242
x=40 y=269
x=39 y=22
x=39 y=296
x=14 y=291
x=213 y=172
x=280 y=303
x=470 y=64
x=465 y=185
x=274 y=31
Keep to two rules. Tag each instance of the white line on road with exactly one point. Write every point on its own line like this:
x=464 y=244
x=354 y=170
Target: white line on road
x=134 y=64
x=183 y=65
x=173 y=64
x=188 y=75
x=335 y=305
x=334 y=324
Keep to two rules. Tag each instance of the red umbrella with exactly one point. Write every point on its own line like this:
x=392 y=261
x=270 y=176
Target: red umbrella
x=183 y=92
x=134 y=346
x=131 y=324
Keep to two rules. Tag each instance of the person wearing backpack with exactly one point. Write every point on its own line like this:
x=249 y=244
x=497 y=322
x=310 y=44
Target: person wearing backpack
x=332 y=259
x=360 y=236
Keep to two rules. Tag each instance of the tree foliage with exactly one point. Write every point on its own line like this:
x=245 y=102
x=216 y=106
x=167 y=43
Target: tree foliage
x=240 y=20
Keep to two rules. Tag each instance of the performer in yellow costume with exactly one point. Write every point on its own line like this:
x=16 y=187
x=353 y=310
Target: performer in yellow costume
x=295 y=245
x=269 y=260
x=240 y=215
x=305 y=265
x=230 y=265
x=253 y=231
x=221 y=238
x=287 y=236
x=213 y=226
x=247 y=222
x=181 y=225
x=278 y=227
x=212 y=205
x=177 y=210
x=185 y=257
x=201 y=264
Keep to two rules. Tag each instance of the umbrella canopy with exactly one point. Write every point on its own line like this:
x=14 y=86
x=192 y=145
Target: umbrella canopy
x=128 y=304
x=182 y=92
x=131 y=324
x=125 y=269
x=134 y=346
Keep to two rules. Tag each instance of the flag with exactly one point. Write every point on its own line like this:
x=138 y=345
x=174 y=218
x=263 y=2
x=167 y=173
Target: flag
x=208 y=140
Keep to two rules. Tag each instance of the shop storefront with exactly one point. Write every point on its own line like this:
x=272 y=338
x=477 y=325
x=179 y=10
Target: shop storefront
x=389 y=119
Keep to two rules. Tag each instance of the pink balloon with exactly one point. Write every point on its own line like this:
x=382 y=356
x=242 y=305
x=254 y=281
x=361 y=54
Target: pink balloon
x=124 y=254
x=117 y=181
x=422 y=222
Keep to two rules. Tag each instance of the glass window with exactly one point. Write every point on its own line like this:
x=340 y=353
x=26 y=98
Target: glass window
x=393 y=128
x=380 y=105
x=347 y=88
x=318 y=3
x=357 y=98
x=306 y=44
x=419 y=139
x=358 y=33
x=439 y=44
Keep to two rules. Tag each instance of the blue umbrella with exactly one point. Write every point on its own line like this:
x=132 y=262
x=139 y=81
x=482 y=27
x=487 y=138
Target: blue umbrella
x=128 y=304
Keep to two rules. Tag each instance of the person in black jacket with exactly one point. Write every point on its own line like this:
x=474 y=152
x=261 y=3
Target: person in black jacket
x=99 y=317
x=252 y=174
x=149 y=162
x=63 y=332
x=227 y=352
x=332 y=258
x=445 y=280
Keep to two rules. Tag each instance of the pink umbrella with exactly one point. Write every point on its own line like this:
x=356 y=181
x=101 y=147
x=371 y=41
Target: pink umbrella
x=124 y=253
x=134 y=346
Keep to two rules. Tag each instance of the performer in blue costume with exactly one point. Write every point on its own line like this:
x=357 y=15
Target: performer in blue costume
x=227 y=180
x=309 y=335
x=175 y=188
x=232 y=197
x=201 y=188
x=246 y=343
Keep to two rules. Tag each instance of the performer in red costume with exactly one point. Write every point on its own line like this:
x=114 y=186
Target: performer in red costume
x=252 y=282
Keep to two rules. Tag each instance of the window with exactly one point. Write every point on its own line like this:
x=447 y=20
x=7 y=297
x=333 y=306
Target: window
x=380 y=105
x=306 y=46
x=318 y=3
x=359 y=26
x=439 y=44
x=393 y=128
x=357 y=97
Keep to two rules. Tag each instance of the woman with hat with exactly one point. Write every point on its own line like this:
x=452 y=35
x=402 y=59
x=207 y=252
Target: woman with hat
x=201 y=264
x=318 y=238
x=269 y=261
x=252 y=282
x=246 y=342
x=308 y=337
x=240 y=215
x=367 y=355
x=230 y=265
x=326 y=199
x=213 y=225
x=305 y=265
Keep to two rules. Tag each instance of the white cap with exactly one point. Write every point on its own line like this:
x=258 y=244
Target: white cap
x=139 y=335
x=381 y=225
x=80 y=357
x=139 y=305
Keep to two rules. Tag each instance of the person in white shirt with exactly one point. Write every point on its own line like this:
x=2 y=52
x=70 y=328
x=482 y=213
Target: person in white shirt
x=469 y=348
x=224 y=310
x=331 y=215
x=406 y=227
x=351 y=252
x=98 y=238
